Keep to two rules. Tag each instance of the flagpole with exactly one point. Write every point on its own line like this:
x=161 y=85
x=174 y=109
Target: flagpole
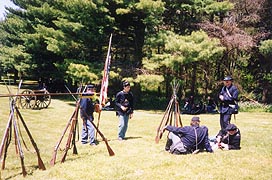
x=105 y=82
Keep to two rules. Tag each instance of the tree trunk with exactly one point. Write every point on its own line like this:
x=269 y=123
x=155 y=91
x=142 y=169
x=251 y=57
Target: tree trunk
x=15 y=76
x=193 y=79
x=264 y=97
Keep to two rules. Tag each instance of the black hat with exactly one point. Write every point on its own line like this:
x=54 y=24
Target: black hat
x=231 y=127
x=126 y=83
x=90 y=86
x=228 y=78
x=196 y=119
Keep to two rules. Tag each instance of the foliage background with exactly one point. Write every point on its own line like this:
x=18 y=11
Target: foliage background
x=197 y=42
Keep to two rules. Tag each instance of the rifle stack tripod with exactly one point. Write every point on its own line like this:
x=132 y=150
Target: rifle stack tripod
x=172 y=113
x=72 y=123
x=13 y=120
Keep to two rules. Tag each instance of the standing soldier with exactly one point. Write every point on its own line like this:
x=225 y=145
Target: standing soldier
x=124 y=106
x=87 y=108
x=228 y=97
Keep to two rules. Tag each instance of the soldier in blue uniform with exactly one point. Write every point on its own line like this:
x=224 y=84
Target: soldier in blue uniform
x=188 y=139
x=228 y=99
x=124 y=109
x=228 y=139
x=87 y=108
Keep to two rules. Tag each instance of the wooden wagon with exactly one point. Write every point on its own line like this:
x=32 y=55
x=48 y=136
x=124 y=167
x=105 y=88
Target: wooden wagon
x=35 y=99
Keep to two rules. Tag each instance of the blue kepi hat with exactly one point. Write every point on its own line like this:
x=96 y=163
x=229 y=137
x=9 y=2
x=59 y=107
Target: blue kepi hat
x=228 y=78
x=231 y=127
x=195 y=119
x=126 y=83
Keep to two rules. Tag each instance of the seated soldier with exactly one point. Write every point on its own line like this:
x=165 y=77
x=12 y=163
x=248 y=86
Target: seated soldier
x=188 y=139
x=211 y=105
x=228 y=139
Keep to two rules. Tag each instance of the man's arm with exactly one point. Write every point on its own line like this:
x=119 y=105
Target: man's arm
x=176 y=130
x=235 y=93
x=131 y=102
x=118 y=102
x=220 y=135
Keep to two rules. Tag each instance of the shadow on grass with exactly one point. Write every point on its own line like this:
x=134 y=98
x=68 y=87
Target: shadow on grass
x=29 y=170
x=126 y=138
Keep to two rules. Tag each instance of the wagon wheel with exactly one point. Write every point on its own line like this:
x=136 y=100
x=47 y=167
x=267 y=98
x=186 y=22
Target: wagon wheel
x=28 y=101
x=44 y=100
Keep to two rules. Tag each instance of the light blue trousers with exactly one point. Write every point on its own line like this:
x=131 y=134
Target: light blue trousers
x=123 y=125
x=87 y=131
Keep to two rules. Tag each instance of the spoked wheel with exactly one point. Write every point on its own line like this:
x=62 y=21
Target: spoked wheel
x=29 y=100
x=43 y=101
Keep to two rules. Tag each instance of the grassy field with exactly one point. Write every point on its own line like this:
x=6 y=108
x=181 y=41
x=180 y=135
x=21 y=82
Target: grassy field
x=138 y=157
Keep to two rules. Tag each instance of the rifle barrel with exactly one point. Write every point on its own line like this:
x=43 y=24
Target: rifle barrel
x=40 y=162
x=82 y=95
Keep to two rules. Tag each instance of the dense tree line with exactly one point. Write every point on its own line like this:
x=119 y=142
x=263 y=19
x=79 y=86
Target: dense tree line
x=196 y=42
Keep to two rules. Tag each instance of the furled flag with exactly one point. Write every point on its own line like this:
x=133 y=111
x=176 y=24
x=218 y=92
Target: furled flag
x=105 y=79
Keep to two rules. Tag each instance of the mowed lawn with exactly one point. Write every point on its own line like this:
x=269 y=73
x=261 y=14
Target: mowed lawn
x=138 y=157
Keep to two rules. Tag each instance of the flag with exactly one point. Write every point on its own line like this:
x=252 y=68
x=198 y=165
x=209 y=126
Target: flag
x=105 y=79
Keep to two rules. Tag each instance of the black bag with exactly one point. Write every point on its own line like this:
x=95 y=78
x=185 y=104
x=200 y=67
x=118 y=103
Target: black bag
x=234 y=108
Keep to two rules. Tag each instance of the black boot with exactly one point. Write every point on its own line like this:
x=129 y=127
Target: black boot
x=169 y=142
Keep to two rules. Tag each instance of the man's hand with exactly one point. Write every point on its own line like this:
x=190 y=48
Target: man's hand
x=163 y=129
x=221 y=97
x=224 y=146
x=218 y=139
x=131 y=116
x=97 y=108
x=123 y=108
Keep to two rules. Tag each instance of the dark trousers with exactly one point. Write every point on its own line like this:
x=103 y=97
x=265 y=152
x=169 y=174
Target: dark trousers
x=224 y=120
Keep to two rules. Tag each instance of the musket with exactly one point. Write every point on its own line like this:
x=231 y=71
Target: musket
x=7 y=136
x=6 y=140
x=21 y=154
x=164 y=119
x=74 y=137
x=16 y=133
x=40 y=162
x=81 y=95
x=111 y=153
x=179 y=118
x=53 y=160
x=71 y=133
x=168 y=114
x=20 y=132
x=71 y=123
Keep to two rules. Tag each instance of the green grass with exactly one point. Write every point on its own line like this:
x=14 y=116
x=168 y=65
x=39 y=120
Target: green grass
x=138 y=157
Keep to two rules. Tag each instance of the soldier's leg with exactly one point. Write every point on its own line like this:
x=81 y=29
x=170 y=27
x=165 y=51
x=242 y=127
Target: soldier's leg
x=91 y=132
x=121 y=134
x=84 y=133
x=226 y=120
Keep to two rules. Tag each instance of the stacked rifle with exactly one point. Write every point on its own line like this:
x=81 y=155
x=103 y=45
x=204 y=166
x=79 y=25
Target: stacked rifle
x=13 y=120
x=172 y=113
x=72 y=124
